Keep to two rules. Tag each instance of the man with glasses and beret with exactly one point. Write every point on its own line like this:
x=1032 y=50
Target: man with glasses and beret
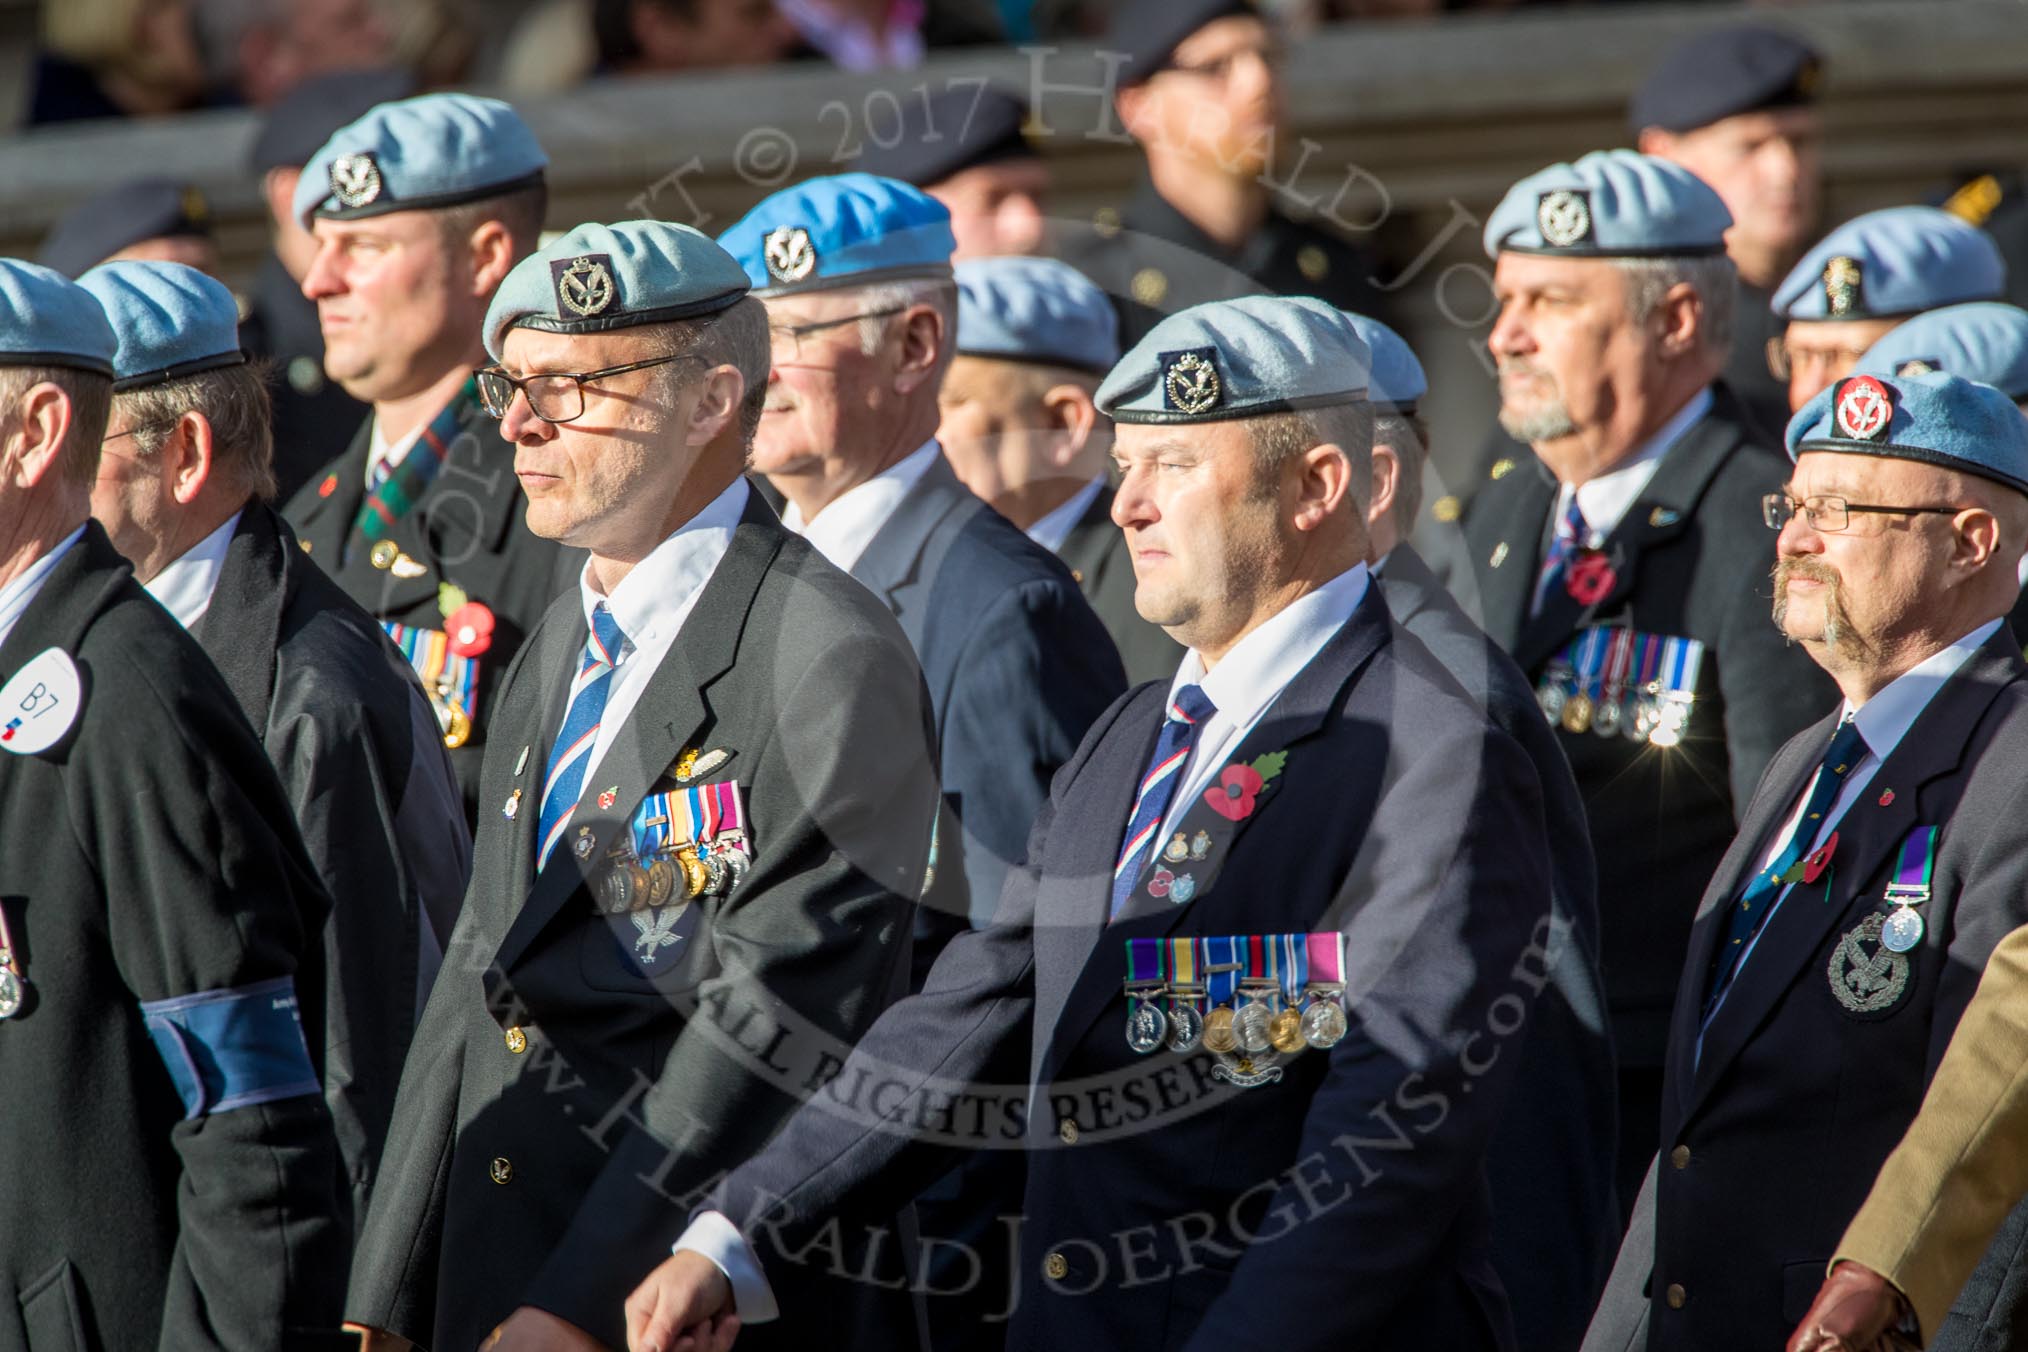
x=418 y=210
x=1866 y=277
x=1623 y=564
x=184 y=478
x=172 y=1180
x=1200 y=90
x=708 y=804
x=1881 y=859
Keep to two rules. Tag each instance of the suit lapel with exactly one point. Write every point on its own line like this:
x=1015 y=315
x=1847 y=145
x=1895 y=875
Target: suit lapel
x=1919 y=771
x=900 y=563
x=671 y=709
x=1506 y=545
x=241 y=630
x=326 y=519
x=1093 y=543
x=1295 y=717
x=81 y=585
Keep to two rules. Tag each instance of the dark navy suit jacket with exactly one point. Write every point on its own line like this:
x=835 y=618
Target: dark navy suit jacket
x=1342 y=1206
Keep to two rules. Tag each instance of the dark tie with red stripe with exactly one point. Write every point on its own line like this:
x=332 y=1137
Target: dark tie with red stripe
x=1187 y=712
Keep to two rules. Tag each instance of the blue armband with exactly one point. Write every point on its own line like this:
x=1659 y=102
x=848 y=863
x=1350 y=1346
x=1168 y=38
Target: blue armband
x=233 y=1048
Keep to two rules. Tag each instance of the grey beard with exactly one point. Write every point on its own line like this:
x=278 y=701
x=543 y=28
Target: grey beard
x=1548 y=423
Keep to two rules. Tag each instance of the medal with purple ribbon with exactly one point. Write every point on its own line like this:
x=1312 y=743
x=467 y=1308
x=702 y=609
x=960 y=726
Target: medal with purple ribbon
x=1903 y=929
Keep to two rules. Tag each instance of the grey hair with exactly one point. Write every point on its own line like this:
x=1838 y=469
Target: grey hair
x=233 y=399
x=737 y=337
x=939 y=293
x=1713 y=278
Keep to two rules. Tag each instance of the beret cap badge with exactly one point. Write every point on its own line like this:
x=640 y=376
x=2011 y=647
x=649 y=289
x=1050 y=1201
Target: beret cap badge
x=1843 y=285
x=1190 y=380
x=584 y=285
x=355 y=180
x=1564 y=217
x=789 y=253
x=1864 y=409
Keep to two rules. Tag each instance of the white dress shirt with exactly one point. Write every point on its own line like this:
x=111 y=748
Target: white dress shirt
x=184 y=587
x=1243 y=685
x=1604 y=500
x=1054 y=528
x=16 y=595
x=379 y=449
x=1883 y=721
x=843 y=529
x=652 y=602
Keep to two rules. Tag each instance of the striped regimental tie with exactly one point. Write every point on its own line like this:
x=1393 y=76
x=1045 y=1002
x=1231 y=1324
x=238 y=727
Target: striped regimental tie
x=604 y=649
x=1187 y=713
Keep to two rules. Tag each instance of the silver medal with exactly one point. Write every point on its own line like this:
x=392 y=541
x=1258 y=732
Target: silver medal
x=1252 y=1027
x=1902 y=930
x=1605 y=719
x=1145 y=1026
x=1324 y=1024
x=10 y=993
x=1186 y=1027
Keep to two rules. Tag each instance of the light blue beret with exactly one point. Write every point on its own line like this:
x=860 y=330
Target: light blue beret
x=1984 y=341
x=46 y=319
x=1242 y=358
x=1035 y=309
x=1899 y=261
x=597 y=278
x=171 y=321
x=846 y=230
x=1610 y=204
x=1397 y=383
x=435 y=150
x=1939 y=419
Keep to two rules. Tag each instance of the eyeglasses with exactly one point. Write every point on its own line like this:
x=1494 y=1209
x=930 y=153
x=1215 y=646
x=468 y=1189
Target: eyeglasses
x=1219 y=69
x=1783 y=359
x=788 y=338
x=139 y=428
x=556 y=397
x=1828 y=516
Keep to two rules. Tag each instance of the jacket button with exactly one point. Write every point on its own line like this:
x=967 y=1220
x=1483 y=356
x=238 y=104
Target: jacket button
x=1675 y=1296
x=1680 y=1157
x=1056 y=1267
x=517 y=1041
x=1077 y=576
x=1067 y=1131
x=503 y=1169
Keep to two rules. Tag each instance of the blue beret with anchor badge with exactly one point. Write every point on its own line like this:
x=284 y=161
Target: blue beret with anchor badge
x=1938 y=418
x=1035 y=310
x=419 y=154
x=1610 y=204
x=1243 y=358
x=46 y=319
x=845 y=230
x=597 y=278
x=171 y=321
x=1397 y=383
x=1984 y=341
x=1893 y=262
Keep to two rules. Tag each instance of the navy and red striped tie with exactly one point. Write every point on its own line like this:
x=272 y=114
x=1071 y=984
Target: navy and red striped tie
x=1187 y=712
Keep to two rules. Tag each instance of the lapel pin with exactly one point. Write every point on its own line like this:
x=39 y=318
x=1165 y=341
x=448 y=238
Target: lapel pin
x=512 y=805
x=609 y=796
x=1664 y=516
x=693 y=763
x=1887 y=798
x=1499 y=554
x=521 y=762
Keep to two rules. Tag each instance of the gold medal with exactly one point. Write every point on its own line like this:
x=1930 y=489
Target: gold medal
x=661 y=883
x=1577 y=713
x=1218 y=1034
x=384 y=554
x=696 y=877
x=1285 y=1031
x=456 y=725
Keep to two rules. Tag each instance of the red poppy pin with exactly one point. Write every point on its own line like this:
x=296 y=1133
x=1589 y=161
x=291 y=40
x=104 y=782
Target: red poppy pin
x=328 y=487
x=470 y=629
x=1238 y=787
x=1590 y=577
x=1887 y=798
x=1820 y=859
x=608 y=798
x=1159 y=884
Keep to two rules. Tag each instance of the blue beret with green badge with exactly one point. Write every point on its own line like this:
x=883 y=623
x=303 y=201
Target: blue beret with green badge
x=419 y=154
x=171 y=321
x=1938 y=418
x=597 y=278
x=1984 y=341
x=1610 y=204
x=1893 y=262
x=46 y=319
x=1244 y=358
x=1035 y=310
x=1397 y=383
x=845 y=230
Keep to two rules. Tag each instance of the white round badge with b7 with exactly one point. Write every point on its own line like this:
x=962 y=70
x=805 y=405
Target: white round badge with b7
x=39 y=703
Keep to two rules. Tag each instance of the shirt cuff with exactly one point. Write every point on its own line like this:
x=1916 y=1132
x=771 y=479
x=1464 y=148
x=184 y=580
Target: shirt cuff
x=718 y=1239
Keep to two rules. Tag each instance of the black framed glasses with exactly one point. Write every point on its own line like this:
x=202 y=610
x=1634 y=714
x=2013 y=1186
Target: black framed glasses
x=788 y=338
x=1828 y=516
x=556 y=396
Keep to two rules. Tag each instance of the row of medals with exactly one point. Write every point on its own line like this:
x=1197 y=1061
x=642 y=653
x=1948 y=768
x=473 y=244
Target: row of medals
x=1651 y=715
x=1262 y=1024
x=630 y=883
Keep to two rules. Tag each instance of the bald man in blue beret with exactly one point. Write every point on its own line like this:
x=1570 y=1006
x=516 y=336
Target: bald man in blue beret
x=1266 y=972
x=1881 y=859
